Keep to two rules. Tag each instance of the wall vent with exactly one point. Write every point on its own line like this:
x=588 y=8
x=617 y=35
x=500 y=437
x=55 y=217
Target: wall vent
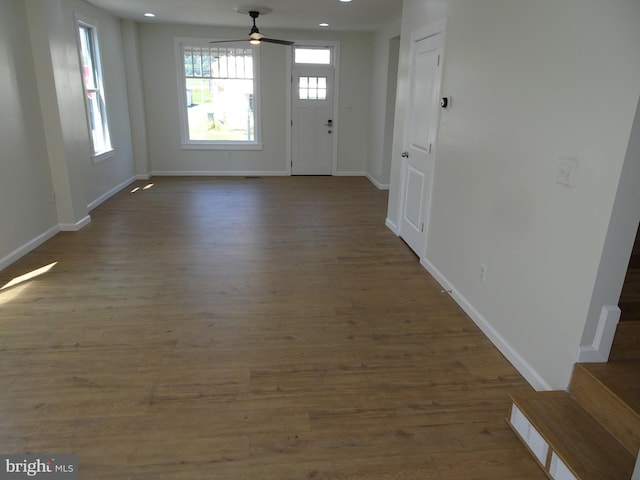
x=530 y=435
x=558 y=470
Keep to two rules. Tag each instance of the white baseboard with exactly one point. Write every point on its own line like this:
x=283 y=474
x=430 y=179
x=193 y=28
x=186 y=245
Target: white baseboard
x=74 y=227
x=350 y=174
x=27 y=247
x=598 y=351
x=636 y=471
x=106 y=196
x=177 y=173
x=380 y=186
x=146 y=176
x=520 y=364
x=392 y=226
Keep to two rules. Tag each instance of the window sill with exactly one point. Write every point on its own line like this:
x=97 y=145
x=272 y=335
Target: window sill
x=99 y=157
x=221 y=146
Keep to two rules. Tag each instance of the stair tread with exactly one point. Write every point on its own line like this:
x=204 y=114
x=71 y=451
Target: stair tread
x=621 y=378
x=578 y=439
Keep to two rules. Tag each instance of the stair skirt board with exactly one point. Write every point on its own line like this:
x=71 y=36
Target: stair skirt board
x=600 y=347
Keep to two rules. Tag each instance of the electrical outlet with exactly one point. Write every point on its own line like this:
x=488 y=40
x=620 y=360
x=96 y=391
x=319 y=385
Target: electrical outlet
x=567 y=171
x=483 y=272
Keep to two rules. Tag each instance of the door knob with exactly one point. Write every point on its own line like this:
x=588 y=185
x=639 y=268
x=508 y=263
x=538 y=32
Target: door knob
x=404 y=154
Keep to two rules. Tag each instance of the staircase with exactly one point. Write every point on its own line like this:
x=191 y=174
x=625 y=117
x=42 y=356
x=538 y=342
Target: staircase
x=626 y=343
x=592 y=431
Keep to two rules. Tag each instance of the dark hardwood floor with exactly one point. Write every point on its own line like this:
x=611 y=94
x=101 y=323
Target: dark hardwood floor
x=230 y=328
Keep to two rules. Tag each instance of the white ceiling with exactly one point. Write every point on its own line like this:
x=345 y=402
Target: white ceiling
x=358 y=15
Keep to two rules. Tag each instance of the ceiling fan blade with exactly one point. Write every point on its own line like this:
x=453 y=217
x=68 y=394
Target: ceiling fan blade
x=229 y=41
x=275 y=40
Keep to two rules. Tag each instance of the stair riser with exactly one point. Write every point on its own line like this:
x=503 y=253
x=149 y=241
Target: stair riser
x=607 y=408
x=626 y=343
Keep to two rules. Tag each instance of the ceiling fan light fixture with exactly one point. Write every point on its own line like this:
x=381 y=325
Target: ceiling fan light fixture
x=255 y=37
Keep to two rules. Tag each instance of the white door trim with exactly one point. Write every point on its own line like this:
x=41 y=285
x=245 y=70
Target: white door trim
x=336 y=99
x=421 y=33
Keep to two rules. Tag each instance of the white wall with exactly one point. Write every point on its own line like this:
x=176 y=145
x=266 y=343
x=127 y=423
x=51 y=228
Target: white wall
x=135 y=90
x=531 y=82
x=384 y=78
x=48 y=181
x=79 y=182
x=161 y=100
x=26 y=203
x=616 y=252
x=102 y=178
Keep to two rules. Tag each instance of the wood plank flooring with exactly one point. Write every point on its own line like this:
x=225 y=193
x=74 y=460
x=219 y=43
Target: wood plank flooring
x=231 y=328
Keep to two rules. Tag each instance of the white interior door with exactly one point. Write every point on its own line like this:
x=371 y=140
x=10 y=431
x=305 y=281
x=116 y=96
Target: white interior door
x=312 y=120
x=420 y=135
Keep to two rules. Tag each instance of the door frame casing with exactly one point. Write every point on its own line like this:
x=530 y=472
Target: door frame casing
x=336 y=99
x=421 y=33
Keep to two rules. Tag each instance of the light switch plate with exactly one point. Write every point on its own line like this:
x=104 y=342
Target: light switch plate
x=567 y=171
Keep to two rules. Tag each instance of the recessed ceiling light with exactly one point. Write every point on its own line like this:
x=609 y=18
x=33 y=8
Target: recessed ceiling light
x=151 y=15
x=323 y=24
x=345 y=1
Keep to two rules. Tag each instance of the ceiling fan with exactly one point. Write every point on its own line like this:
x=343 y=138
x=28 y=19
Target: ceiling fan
x=255 y=37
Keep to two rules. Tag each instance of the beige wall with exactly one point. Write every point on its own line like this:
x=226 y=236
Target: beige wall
x=161 y=100
x=51 y=181
x=26 y=197
x=531 y=82
x=384 y=82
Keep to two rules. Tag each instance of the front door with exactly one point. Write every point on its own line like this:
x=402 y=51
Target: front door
x=313 y=120
x=420 y=136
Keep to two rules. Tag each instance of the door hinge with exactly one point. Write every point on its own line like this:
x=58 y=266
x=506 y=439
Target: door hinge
x=422 y=227
x=438 y=61
x=430 y=147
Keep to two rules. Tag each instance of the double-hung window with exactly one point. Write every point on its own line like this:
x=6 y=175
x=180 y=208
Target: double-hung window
x=218 y=95
x=99 y=137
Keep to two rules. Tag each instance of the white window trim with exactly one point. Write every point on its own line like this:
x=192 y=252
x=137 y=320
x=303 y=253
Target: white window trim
x=185 y=142
x=96 y=156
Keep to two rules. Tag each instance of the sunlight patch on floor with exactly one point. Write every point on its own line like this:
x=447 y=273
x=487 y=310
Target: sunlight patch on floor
x=28 y=276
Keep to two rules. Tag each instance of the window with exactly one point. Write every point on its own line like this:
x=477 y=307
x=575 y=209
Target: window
x=312 y=88
x=93 y=89
x=312 y=55
x=219 y=101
